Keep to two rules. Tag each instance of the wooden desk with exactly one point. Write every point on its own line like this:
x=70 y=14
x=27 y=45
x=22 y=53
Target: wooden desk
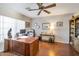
x=25 y=46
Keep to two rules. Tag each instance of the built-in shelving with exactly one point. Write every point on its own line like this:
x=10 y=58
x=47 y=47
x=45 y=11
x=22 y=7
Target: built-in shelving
x=74 y=32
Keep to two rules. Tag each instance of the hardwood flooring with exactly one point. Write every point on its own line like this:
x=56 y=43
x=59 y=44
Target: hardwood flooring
x=56 y=49
x=51 y=49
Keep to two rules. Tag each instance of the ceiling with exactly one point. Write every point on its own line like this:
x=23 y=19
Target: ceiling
x=60 y=9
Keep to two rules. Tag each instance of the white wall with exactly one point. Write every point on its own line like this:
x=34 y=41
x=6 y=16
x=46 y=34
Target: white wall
x=61 y=33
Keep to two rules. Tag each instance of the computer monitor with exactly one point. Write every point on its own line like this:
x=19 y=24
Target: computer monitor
x=23 y=31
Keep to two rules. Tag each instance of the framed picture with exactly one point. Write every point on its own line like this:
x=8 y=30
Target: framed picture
x=59 y=24
x=45 y=26
x=27 y=24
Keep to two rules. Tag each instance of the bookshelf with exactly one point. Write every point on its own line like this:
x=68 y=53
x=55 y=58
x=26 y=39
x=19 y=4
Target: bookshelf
x=74 y=29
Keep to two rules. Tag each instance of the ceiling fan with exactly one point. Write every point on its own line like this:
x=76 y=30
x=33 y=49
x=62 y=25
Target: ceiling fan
x=42 y=8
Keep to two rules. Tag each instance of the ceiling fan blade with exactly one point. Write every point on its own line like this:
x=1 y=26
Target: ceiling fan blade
x=49 y=6
x=32 y=9
x=39 y=4
x=46 y=11
x=39 y=12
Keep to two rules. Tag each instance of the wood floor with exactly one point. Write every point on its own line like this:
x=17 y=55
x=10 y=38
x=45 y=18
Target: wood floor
x=51 y=49
x=56 y=49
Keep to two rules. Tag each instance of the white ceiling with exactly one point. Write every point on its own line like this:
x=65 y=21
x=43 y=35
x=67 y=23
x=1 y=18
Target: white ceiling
x=61 y=8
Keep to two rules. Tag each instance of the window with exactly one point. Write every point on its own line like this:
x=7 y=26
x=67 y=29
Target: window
x=6 y=23
x=1 y=27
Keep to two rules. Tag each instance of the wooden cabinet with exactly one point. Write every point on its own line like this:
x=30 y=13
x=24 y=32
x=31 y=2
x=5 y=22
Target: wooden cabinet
x=6 y=45
x=34 y=48
x=18 y=47
x=29 y=46
x=23 y=46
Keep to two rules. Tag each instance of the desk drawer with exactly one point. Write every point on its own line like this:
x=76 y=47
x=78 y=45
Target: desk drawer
x=19 y=47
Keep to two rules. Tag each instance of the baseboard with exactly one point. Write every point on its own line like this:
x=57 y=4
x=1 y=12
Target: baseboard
x=62 y=42
x=56 y=41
